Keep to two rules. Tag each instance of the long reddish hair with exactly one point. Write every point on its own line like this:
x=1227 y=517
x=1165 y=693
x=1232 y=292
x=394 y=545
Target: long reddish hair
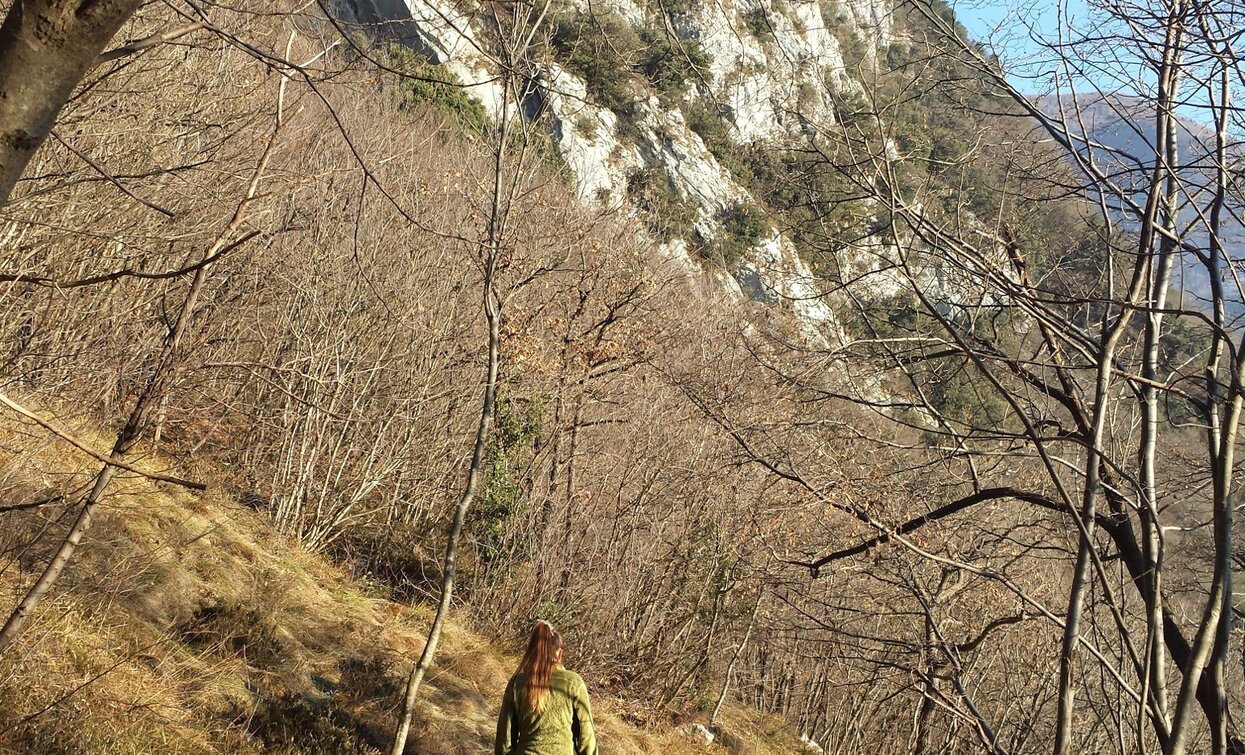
x=538 y=664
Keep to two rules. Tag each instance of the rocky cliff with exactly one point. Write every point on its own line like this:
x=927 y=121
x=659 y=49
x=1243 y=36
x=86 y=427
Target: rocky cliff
x=625 y=83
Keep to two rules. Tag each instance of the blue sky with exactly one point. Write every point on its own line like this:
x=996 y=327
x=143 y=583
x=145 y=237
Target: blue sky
x=987 y=18
x=1020 y=32
x=1014 y=23
x=1017 y=31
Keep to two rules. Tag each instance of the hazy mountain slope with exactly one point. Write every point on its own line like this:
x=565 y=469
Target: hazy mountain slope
x=1118 y=133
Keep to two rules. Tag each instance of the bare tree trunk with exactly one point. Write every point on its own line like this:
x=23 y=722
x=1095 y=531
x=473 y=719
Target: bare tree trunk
x=126 y=439
x=474 y=473
x=491 y=250
x=925 y=710
x=739 y=649
x=1222 y=740
x=1155 y=679
x=46 y=47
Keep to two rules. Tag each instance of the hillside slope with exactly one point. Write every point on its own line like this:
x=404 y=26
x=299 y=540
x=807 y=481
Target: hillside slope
x=189 y=625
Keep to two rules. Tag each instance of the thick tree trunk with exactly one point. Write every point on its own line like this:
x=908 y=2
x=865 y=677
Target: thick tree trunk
x=46 y=47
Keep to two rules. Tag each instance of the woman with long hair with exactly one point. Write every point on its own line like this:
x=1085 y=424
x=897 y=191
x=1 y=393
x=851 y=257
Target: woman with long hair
x=545 y=711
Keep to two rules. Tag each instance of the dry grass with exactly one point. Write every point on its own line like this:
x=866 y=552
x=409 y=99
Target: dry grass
x=187 y=624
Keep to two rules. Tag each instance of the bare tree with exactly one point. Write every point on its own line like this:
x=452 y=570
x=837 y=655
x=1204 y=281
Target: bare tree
x=1010 y=354
x=510 y=176
x=149 y=397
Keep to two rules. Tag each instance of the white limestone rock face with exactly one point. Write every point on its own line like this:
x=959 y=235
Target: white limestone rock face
x=629 y=10
x=677 y=251
x=665 y=141
x=774 y=64
x=773 y=84
x=774 y=273
x=442 y=33
x=771 y=80
x=872 y=20
x=449 y=35
x=811 y=745
x=586 y=137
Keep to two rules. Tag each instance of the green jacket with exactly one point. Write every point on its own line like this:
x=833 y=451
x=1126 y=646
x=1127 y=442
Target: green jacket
x=564 y=728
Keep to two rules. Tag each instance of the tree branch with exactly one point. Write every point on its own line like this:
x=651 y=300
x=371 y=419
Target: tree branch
x=146 y=43
x=42 y=280
x=981 y=496
x=104 y=458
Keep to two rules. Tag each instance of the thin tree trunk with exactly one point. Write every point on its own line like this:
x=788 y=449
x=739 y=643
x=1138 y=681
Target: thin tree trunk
x=474 y=473
x=1155 y=679
x=1221 y=738
x=1144 y=266
x=492 y=244
x=739 y=649
x=126 y=439
x=925 y=710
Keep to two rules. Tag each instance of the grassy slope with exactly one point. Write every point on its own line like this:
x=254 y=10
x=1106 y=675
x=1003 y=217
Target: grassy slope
x=187 y=624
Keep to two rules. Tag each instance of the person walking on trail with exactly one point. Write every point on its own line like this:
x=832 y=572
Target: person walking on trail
x=545 y=710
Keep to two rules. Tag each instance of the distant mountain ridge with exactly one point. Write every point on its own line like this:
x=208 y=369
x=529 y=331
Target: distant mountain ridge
x=1118 y=133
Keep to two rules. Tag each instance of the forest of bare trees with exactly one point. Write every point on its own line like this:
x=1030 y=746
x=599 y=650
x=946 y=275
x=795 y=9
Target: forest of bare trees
x=265 y=250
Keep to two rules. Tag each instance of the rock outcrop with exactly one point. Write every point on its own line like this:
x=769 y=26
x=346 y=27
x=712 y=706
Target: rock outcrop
x=773 y=71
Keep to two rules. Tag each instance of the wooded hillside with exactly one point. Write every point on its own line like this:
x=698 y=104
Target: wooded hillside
x=338 y=347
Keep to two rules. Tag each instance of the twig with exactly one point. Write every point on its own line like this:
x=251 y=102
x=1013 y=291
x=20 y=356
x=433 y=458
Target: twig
x=111 y=178
x=146 y=43
x=42 y=280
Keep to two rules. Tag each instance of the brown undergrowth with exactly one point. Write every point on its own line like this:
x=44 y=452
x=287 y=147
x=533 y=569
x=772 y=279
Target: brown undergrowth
x=188 y=624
